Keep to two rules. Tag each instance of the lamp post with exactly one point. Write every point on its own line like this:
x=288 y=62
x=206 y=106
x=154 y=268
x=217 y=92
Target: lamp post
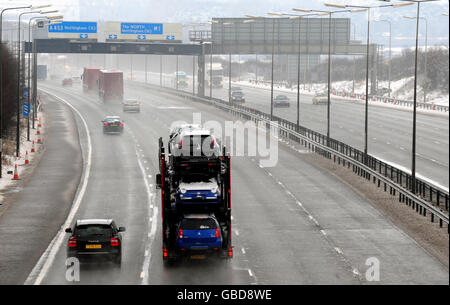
x=297 y=17
x=354 y=63
x=413 y=150
x=390 y=51
x=322 y=13
x=356 y=9
x=426 y=54
x=18 y=82
x=1 y=80
x=53 y=20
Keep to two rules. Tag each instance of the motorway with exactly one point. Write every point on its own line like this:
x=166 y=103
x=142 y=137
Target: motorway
x=389 y=135
x=292 y=223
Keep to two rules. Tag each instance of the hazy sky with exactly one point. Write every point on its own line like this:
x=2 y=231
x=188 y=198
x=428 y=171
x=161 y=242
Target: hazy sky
x=186 y=11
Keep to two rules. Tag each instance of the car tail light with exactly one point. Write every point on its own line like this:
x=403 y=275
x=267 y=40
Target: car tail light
x=72 y=243
x=230 y=252
x=114 y=242
x=180 y=144
x=121 y=124
x=217 y=233
x=180 y=233
x=165 y=253
x=106 y=124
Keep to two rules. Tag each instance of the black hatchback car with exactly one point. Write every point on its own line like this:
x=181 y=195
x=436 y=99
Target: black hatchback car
x=95 y=238
x=112 y=124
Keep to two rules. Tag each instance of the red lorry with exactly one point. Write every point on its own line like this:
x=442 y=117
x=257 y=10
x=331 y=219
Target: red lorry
x=110 y=85
x=90 y=79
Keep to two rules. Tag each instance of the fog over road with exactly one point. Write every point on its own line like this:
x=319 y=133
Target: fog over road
x=292 y=223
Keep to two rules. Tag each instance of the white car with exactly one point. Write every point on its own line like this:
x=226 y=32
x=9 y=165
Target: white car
x=177 y=129
x=131 y=105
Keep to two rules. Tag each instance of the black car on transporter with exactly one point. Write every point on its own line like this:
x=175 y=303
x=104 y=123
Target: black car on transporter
x=112 y=124
x=95 y=239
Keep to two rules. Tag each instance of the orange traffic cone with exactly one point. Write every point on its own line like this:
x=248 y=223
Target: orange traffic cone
x=32 y=147
x=16 y=173
x=27 y=161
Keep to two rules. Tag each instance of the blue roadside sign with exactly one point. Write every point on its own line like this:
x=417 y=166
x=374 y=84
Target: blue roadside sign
x=25 y=92
x=141 y=28
x=26 y=109
x=79 y=27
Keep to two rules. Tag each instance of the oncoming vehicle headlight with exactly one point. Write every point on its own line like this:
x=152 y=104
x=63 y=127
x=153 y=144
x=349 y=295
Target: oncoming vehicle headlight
x=214 y=190
x=182 y=190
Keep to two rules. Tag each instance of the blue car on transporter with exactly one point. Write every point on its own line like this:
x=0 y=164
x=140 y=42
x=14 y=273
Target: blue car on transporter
x=198 y=189
x=199 y=234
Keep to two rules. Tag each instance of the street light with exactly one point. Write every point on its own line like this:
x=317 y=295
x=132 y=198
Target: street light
x=1 y=81
x=53 y=20
x=356 y=9
x=297 y=17
x=413 y=152
x=390 y=51
x=29 y=64
x=18 y=82
x=324 y=13
x=426 y=54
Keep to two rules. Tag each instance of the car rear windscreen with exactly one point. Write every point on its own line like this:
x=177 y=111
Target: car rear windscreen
x=93 y=230
x=198 y=224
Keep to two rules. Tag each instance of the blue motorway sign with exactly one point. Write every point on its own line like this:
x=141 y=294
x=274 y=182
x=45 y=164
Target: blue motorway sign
x=112 y=36
x=25 y=92
x=141 y=28
x=73 y=27
x=26 y=109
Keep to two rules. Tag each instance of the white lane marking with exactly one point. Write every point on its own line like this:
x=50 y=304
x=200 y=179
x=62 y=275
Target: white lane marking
x=40 y=270
x=250 y=272
x=236 y=232
x=323 y=232
x=152 y=216
x=338 y=250
x=243 y=250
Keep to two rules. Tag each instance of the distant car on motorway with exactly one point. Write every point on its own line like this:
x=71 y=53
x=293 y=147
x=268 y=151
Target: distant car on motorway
x=198 y=189
x=95 y=239
x=112 y=124
x=67 y=82
x=281 y=101
x=237 y=97
x=131 y=105
x=198 y=235
x=320 y=98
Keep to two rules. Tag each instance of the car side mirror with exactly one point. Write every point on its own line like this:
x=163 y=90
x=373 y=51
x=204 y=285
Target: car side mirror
x=69 y=230
x=158 y=181
x=122 y=229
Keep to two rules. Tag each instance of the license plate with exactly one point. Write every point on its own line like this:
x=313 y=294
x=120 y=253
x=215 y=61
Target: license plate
x=93 y=246
x=198 y=256
x=113 y=125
